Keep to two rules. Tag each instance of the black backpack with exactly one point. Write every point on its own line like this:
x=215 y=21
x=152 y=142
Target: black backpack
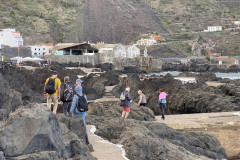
x=68 y=93
x=50 y=87
x=82 y=105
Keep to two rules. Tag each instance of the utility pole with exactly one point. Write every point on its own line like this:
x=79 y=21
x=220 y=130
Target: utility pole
x=18 y=48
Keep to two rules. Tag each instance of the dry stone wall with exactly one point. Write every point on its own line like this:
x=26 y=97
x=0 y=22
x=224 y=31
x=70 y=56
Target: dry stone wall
x=119 y=63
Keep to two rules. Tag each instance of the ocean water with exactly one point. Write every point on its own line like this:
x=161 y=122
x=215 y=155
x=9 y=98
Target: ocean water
x=228 y=75
x=218 y=74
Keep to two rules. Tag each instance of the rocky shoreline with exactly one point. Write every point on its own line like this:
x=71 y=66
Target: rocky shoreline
x=200 y=66
x=141 y=136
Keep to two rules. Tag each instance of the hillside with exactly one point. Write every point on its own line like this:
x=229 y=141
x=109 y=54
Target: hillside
x=116 y=21
x=122 y=21
x=41 y=21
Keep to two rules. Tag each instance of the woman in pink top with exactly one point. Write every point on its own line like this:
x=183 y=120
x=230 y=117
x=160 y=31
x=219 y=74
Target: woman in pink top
x=162 y=101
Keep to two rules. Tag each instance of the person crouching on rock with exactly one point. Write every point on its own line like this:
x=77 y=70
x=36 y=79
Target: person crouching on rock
x=142 y=99
x=125 y=102
x=66 y=96
x=75 y=108
x=162 y=101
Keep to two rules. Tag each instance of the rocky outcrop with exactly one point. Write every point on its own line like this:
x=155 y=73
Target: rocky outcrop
x=30 y=83
x=10 y=99
x=199 y=66
x=150 y=140
x=188 y=98
x=33 y=132
x=137 y=113
x=94 y=86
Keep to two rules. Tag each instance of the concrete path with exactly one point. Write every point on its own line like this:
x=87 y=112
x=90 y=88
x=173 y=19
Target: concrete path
x=224 y=125
x=103 y=149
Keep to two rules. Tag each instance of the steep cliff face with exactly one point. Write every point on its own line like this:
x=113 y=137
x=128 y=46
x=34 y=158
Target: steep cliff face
x=118 y=21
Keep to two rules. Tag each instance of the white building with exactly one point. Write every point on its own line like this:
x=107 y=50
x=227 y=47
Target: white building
x=39 y=51
x=105 y=48
x=146 y=42
x=119 y=51
x=11 y=38
x=214 y=29
x=133 y=51
x=236 y=22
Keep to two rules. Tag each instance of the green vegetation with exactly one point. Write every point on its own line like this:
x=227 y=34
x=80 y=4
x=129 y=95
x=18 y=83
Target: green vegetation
x=97 y=54
x=51 y=19
x=171 y=49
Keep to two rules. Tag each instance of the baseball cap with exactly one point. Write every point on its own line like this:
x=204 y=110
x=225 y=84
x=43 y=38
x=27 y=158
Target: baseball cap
x=79 y=80
x=55 y=72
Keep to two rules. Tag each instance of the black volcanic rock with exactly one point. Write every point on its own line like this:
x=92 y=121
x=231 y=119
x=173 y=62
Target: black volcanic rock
x=150 y=140
x=34 y=131
x=188 y=98
x=10 y=99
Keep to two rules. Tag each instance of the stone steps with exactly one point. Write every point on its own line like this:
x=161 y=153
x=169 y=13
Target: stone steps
x=108 y=100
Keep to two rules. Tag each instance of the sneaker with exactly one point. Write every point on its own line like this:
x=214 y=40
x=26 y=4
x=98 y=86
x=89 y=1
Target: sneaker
x=163 y=118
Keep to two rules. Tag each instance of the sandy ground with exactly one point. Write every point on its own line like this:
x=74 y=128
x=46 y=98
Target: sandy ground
x=224 y=125
x=215 y=84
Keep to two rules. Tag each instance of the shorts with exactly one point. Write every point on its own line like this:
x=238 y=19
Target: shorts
x=125 y=108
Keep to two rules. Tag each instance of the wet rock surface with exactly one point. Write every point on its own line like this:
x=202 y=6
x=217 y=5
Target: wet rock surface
x=33 y=132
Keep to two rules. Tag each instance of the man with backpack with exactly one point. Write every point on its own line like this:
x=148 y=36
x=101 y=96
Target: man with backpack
x=125 y=100
x=67 y=93
x=52 y=91
x=79 y=103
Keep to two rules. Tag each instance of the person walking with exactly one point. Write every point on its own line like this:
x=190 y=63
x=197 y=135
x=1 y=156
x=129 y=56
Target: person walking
x=52 y=91
x=162 y=101
x=74 y=109
x=125 y=102
x=142 y=99
x=66 y=96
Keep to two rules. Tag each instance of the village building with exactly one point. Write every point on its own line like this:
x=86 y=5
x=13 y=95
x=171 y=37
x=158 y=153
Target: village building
x=39 y=51
x=105 y=48
x=214 y=29
x=11 y=38
x=214 y=54
x=157 y=38
x=133 y=51
x=150 y=41
x=74 y=49
x=236 y=23
x=119 y=51
x=146 y=42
